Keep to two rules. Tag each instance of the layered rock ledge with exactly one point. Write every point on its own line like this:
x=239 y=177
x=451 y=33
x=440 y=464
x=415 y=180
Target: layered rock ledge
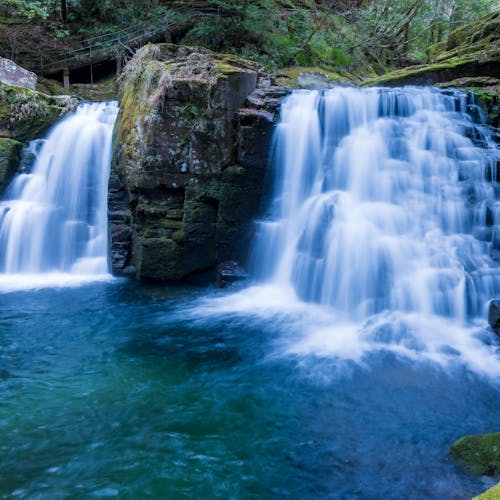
x=189 y=165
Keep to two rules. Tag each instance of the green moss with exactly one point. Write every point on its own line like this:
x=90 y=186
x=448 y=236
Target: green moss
x=479 y=454
x=491 y=494
x=178 y=236
x=471 y=51
x=10 y=157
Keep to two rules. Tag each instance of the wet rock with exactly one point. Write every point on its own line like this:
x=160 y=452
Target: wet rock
x=190 y=163
x=478 y=454
x=494 y=315
x=12 y=74
x=229 y=272
x=10 y=157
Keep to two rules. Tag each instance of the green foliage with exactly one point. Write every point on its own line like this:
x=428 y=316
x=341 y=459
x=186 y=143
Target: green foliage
x=31 y=10
x=348 y=36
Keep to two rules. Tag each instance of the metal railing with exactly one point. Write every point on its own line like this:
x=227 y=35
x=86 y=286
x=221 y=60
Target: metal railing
x=114 y=45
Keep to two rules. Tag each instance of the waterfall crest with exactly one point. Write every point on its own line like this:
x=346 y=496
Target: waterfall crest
x=53 y=219
x=385 y=200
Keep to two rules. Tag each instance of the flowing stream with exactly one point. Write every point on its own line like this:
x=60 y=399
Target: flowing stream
x=53 y=219
x=346 y=369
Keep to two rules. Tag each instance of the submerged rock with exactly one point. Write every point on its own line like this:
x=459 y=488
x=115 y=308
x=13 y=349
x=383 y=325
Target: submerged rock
x=229 y=272
x=494 y=316
x=479 y=454
x=189 y=164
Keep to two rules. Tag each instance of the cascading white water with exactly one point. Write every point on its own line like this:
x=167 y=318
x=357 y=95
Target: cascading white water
x=54 y=218
x=383 y=202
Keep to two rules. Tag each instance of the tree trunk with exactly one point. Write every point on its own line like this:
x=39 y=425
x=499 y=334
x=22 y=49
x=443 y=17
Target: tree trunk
x=64 y=11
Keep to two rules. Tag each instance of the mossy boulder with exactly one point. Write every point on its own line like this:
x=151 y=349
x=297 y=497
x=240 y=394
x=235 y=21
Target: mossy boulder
x=478 y=454
x=26 y=114
x=180 y=176
x=10 y=157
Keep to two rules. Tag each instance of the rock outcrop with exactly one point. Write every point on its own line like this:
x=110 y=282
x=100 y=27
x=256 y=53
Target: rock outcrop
x=189 y=165
x=12 y=74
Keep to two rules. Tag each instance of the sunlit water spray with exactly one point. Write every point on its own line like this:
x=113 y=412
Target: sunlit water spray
x=383 y=228
x=53 y=219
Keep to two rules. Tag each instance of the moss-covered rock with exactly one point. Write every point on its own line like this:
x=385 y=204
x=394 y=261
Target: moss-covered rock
x=491 y=494
x=26 y=114
x=479 y=454
x=176 y=169
x=10 y=157
x=471 y=51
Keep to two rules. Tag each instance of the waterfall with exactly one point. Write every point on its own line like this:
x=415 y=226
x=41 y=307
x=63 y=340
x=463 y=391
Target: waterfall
x=53 y=219
x=385 y=200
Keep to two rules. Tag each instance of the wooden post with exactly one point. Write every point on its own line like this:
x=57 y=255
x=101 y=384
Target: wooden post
x=91 y=69
x=66 y=77
x=118 y=58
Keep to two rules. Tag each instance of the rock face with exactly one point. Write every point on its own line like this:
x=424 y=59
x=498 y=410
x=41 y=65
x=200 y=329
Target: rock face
x=479 y=454
x=189 y=164
x=24 y=115
x=12 y=74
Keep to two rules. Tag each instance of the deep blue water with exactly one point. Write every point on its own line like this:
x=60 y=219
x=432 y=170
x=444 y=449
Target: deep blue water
x=119 y=389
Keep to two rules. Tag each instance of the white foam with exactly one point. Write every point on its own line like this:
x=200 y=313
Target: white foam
x=19 y=282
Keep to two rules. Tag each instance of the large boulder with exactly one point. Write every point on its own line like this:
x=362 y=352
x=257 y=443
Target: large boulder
x=186 y=178
x=12 y=74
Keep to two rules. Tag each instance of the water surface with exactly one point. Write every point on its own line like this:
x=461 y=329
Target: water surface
x=121 y=390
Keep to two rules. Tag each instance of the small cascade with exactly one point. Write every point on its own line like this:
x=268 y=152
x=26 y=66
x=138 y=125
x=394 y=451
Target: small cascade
x=53 y=219
x=385 y=200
